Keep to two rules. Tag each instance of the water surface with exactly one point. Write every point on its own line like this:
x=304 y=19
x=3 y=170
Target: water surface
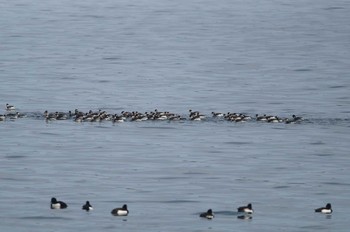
x=279 y=58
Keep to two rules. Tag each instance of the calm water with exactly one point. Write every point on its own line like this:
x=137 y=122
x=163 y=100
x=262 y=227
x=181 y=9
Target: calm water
x=276 y=57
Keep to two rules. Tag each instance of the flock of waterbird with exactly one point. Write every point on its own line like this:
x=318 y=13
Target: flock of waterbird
x=135 y=116
x=101 y=115
x=246 y=211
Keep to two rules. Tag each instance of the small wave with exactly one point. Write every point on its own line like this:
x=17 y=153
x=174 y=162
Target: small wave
x=317 y=143
x=15 y=156
x=238 y=143
x=172 y=178
x=323 y=155
x=337 y=86
x=226 y=213
x=178 y=201
x=281 y=187
x=336 y=183
x=334 y=8
x=44 y=218
x=157 y=127
x=303 y=70
x=111 y=58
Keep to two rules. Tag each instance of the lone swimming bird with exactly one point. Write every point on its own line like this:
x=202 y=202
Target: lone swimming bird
x=87 y=206
x=326 y=210
x=246 y=209
x=57 y=204
x=208 y=215
x=120 y=211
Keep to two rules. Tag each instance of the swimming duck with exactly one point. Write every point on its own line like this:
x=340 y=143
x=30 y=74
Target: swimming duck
x=326 y=210
x=9 y=107
x=120 y=211
x=50 y=116
x=208 y=215
x=57 y=204
x=217 y=114
x=87 y=206
x=261 y=118
x=246 y=209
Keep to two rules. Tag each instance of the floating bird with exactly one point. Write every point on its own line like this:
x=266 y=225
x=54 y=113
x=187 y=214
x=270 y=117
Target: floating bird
x=246 y=209
x=49 y=116
x=297 y=118
x=192 y=113
x=294 y=119
x=9 y=107
x=217 y=114
x=120 y=211
x=87 y=206
x=57 y=204
x=261 y=118
x=208 y=215
x=326 y=210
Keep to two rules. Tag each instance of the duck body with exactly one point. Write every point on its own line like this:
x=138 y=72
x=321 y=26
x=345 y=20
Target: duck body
x=217 y=114
x=57 y=204
x=208 y=215
x=9 y=107
x=123 y=211
x=87 y=206
x=246 y=209
x=325 y=210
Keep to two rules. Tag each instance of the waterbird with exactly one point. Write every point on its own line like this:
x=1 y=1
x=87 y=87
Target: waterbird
x=208 y=215
x=49 y=116
x=246 y=209
x=217 y=114
x=87 y=206
x=297 y=118
x=326 y=210
x=57 y=204
x=120 y=211
x=261 y=118
x=9 y=107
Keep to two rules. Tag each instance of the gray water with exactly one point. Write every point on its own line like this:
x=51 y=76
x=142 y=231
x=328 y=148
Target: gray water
x=273 y=57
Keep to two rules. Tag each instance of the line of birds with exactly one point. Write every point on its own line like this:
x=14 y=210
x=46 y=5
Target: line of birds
x=55 y=204
x=100 y=115
x=248 y=210
x=11 y=114
x=123 y=211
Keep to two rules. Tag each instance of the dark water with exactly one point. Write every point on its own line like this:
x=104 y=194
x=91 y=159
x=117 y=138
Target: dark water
x=276 y=57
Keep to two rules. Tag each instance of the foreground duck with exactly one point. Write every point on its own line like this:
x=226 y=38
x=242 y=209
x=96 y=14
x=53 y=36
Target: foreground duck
x=208 y=215
x=123 y=211
x=87 y=206
x=57 y=204
x=246 y=209
x=325 y=210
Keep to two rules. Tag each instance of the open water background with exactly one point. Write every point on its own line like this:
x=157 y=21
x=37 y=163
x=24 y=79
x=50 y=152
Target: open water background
x=273 y=57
